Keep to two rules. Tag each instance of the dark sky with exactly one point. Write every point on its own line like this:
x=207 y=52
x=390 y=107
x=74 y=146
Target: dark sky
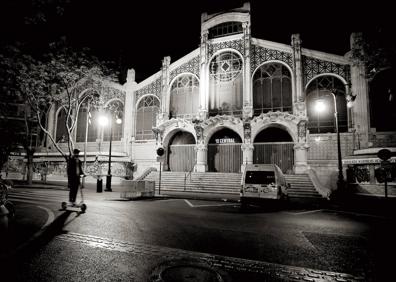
x=139 y=34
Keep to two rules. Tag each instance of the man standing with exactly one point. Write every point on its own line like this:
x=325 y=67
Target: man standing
x=74 y=172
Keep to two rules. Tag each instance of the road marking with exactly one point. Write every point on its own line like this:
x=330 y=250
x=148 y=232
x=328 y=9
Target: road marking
x=188 y=203
x=303 y=212
x=267 y=269
x=212 y=205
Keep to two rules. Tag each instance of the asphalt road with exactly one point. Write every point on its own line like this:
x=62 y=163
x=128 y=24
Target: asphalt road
x=118 y=240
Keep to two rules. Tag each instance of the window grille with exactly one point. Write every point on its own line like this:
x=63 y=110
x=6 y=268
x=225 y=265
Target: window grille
x=223 y=29
x=321 y=88
x=184 y=97
x=272 y=89
x=147 y=111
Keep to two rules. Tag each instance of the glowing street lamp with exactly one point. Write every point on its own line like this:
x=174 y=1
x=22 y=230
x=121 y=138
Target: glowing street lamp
x=104 y=121
x=320 y=106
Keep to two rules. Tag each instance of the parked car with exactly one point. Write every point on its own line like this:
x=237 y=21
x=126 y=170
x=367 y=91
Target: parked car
x=262 y=181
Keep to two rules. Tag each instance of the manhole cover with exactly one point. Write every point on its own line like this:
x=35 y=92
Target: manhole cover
x=182 y=271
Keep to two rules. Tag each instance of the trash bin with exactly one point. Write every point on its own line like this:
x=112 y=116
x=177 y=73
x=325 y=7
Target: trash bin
x=99 y=185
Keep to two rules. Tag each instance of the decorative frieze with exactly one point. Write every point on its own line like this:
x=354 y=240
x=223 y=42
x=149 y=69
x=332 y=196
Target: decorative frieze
x=260 y=55
x=192 y=66
x=232 y=44
x=276 y=116
x=152 y=88
x=313 y=67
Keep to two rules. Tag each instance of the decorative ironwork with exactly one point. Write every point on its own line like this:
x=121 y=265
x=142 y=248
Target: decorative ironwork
x=260 y=55
x=302 y=131
x=226 y=66
x=192 y=66
x=153 y=88
x=104 y=89
x=313 y=67
x=233 y=44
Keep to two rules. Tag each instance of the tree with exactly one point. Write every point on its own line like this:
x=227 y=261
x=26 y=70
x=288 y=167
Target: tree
x=52 y=80
x=376 y=49
x=16 y=123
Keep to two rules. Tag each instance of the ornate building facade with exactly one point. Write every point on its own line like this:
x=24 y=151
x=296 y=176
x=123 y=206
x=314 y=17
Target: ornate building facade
x=239 y=100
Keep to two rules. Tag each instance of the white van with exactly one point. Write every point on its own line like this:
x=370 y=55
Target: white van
x=262 y=181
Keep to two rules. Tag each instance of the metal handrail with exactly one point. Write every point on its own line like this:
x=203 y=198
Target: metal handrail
x=188 y=174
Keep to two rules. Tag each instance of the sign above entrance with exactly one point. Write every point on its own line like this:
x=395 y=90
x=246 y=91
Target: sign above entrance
x=224 y=140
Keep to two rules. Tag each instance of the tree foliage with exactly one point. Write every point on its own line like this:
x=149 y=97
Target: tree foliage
x=376 y=49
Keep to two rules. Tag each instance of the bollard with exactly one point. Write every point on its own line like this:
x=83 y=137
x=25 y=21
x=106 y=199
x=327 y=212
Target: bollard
x=99 y=185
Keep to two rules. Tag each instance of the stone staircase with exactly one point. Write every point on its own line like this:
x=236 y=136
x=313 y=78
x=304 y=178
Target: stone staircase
x=301 y=187
x=202 y=182
x=226 y=183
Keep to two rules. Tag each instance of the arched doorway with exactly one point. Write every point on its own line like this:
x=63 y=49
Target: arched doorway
x=274 y=145
x=224 y=151
x=181 y=153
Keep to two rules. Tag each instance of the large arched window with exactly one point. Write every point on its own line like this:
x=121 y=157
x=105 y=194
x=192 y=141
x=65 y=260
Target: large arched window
x=383 y=101
x=82 y=122
x=116 y=110
x=226 y=84
x=146 y=115
x=61 y=130
x=184 y=96
x=321 y=88
x=272 y=89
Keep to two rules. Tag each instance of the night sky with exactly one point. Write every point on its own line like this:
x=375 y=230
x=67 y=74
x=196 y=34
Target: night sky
x=139 y=34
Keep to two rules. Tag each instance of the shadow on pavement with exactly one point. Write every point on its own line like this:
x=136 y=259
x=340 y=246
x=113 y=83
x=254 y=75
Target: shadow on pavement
x=11 y=261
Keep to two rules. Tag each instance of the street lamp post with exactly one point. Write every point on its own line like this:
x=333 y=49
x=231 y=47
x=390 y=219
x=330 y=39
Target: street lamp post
x=320 y=106
x=104 y=120
x=108 y=177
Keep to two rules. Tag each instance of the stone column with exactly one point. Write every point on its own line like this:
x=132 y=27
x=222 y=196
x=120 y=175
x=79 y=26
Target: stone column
x=298 y=79
x=165 y=99
x=247 y=87
x=204 y=76
x=129 y=112
x=301 y=149
x=360 y=109
x=300 y=158
x=247 y=154
x=202 y=161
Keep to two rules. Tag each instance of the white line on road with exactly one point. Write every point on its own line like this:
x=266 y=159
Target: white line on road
x=188 y=203
x=213 y=205
x=304 y=212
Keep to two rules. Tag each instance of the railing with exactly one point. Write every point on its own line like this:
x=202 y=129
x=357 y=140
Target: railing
x=188 y=174
x=145 y=173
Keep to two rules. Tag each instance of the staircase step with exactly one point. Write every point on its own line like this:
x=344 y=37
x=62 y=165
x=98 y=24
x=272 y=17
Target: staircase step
x=230 y=183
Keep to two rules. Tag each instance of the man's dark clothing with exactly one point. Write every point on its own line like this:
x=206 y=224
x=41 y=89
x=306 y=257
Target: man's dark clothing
x=74 y=171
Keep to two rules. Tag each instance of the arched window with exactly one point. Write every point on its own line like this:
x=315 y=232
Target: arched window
x=321 y=88
x=184 y=96
x=116 y=110
x=272 y=89
x=83 y=114
x=146 y=115
x=226 y=84
x=383 y=101
x=61 y=130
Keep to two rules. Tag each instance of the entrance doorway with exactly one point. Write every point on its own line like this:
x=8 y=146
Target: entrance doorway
x=224 y=151
x=274 y=145
x=181 y=156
